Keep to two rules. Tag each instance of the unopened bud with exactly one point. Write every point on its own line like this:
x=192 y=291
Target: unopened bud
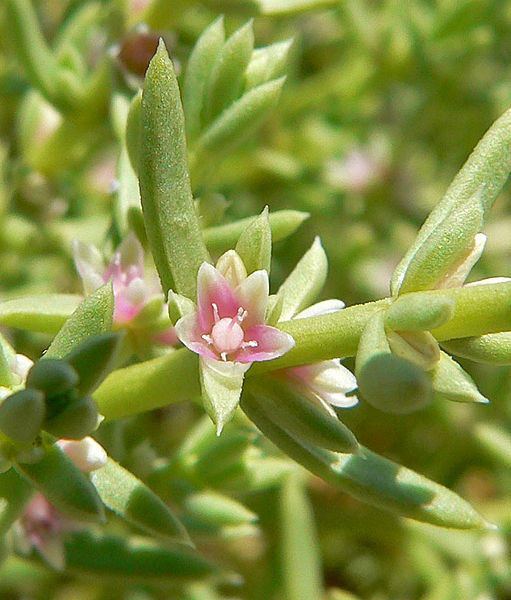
x=22 y=414
x=76 y=421
x=86 y=454
x=52 y=376
x=232 y=268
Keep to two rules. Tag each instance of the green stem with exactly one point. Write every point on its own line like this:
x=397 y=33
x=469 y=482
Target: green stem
x=174 y=377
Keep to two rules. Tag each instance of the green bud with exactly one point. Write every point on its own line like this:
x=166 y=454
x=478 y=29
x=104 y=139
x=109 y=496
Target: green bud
x=254 y=245
x=76 y=421
x=52 y=376
x=393 y=384
x=451 y=382
x=22 y=414
x=218 y=510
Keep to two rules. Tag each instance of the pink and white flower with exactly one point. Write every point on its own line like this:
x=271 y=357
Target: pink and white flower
x=133 y=289
x=229 y=324
x=327 y=382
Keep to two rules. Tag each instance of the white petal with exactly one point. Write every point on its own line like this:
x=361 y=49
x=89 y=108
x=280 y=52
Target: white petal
x=321 y=308
x=21 y=365
x=488 y=281
x=86 y=454
x=252 y=294
x=131 y=253
x=89 y=264
x=232 y=268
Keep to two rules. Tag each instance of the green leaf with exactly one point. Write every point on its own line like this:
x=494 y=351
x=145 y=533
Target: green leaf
x=300 y=552
x=64 y=485
x=267 y=63
x=217 y=510
x=254 y=245
x=283 y=223
x=171 y=222
x=493 y=348
x=373 y=341
x=76 y=419
x=221 y=384
x=451 y=382
x=226 y=77
x=52 y=376
x=302 y=417
x=372 y=478
x=485 y=171
x=292 y=7
x=15 y=494
x=93 y=359
x=92 y=317
x=304 y=283
x=445 y=248
x=231 y=128
x=44 y=313
x=179 y=306
x=198 y=70
x=132 y=500
x=113 y=558
x=417 y=312
x=495 y=440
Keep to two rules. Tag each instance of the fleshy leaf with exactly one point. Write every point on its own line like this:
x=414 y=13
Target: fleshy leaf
x=493 y=348
x=92 y=317
x=372 y=478
x=22 y=414
x=221 y=384
x=93 y=359
x=282 y=224
x=131 y=499
x=64 y=485
x=226 y=77
x=373 y=341
x=304 y=283
x=445 y=247
x=44 y=313
x=486 y=170
x=302 y=417
x=15 y=494
x=217 y=510
x=292 y=7
x=133 y=131
x=254 y=245
x=117 y=559
x=419 y=347
x=171 y=222
x=267 y=63
x=300 y=543
x=198 y=70
x=451 y=382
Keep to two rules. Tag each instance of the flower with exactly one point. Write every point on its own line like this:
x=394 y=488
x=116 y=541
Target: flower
x=327 y=382
x=229 y=324
x=19 y=365
x=133 y=290
x=44 y=527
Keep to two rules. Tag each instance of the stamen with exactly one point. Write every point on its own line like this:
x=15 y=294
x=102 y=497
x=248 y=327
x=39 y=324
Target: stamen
x=223 y=356
x=216 y=314
x=207 y=338
x=249 y=344
x=242 y=315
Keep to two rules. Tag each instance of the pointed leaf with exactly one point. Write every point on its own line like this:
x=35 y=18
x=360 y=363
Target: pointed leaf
x=198 y=70
x=93 y=360
x=292 y=7
x=300 y=552
x=132 y=500
x=113 y=558
x=92 y=317
x=304 y=283
x=283 y=223
x=44 y=313
x=486 y=169
x=231 y=128
x=372 y=478
x=301 y=416
x=169 y=213
x=221 y=384
x=254 y=245
x=417 y=312
x=267 y=63
x=493 y=348
x=451 y=382
x=64 y=485
x=226 y=77
x=217 y=510
x=133 y=131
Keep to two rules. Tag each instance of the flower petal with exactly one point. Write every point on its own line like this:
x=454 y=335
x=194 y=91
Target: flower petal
x=271 y=343
x=90 y=266
x=321 y=308
x=252 y=294
x=131 y=254
x=213 y=288
x=189 y=332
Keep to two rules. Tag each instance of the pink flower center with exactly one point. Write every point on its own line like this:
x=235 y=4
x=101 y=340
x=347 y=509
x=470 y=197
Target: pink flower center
x=227 y=335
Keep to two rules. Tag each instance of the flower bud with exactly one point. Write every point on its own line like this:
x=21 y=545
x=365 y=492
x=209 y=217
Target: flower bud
x=86 y=454
x=22 y=414
x=52 y=376
x=76 y=421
